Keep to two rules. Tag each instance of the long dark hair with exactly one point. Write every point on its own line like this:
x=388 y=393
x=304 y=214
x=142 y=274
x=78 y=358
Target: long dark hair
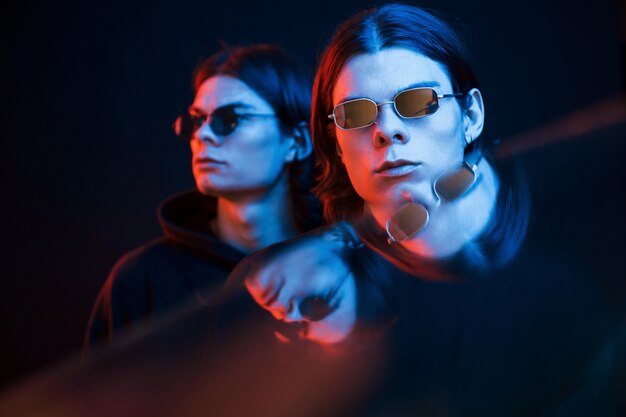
x=415 y=29
x=284 y=82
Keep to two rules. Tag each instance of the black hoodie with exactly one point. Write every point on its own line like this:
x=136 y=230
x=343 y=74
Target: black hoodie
x=181 y=268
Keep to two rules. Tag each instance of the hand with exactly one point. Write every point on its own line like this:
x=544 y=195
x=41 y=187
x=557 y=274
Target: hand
x=309 y=271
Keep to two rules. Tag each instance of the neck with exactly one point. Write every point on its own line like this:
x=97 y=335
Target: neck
x=253 y=220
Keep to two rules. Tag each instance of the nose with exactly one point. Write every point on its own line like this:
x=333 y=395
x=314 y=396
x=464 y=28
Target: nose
x=287 y=312
x=390 y=127
x=206 y=134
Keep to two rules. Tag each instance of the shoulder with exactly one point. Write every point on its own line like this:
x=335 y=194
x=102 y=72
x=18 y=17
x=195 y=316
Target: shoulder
x=137 y=274
x=128 y=292
x=158 y=251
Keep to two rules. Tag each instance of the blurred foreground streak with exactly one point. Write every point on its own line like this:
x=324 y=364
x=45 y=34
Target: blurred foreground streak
x=172 y=372
x=186 y=365
x=603 y=114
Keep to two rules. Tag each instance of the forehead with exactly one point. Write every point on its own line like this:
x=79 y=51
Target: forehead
x=222 y=90
x=311 y=258
x=381 y=75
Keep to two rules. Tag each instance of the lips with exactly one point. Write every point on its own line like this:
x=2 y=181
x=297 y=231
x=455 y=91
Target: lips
x=397 y=167
x=208 y=161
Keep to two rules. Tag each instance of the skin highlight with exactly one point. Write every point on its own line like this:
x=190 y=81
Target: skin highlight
x=428 y=146
x=253 y=208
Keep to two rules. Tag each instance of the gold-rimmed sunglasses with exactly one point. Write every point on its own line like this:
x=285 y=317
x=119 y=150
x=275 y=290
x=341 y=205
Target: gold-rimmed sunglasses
x=410 y=104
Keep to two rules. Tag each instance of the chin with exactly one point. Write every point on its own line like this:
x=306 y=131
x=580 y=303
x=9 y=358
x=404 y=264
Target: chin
x=326 y=340
x=328 y=334
x=205 y=187
x=210 y=183
x=419 y=247
x=221 y=189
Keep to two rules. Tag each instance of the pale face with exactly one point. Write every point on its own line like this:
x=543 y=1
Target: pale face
x=308 y=268
x=251 y=158
x=428 y=146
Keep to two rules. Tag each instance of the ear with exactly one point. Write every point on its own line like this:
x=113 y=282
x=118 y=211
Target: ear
x=301 y=144
x=474 y=116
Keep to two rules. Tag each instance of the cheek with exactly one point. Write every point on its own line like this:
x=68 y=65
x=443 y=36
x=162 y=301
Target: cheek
x=437 y=141
x=338 y=325
x=324 y=334
x=195 y=145
x=258 y=157
x=441 y=145
x=447 y=129
x=359 y=160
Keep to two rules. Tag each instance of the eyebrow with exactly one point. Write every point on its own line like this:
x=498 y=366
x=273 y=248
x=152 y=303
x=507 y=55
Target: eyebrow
x=417 y=85
x=236 y=105
x=399 y=90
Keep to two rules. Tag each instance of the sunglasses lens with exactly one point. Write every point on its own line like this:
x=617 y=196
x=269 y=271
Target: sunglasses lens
x=454 y=184
x=315 y=308
x=417 y=102
x=224 y=121
x=185 y=125
x=407 y=221
x=356 y=113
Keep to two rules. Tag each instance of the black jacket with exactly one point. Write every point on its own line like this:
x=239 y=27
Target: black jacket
x=529 y=339
x=181 y=268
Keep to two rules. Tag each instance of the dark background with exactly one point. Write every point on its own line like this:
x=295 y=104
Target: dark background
x=89 y=93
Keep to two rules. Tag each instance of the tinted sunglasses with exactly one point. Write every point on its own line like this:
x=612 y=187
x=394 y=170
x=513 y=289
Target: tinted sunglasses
x=223 y=121
x=410 y=104
x=412 y=218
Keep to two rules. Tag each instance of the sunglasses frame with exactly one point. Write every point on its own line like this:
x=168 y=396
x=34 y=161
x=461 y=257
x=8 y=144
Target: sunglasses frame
x=439 y=96
x=472 y=168
x=325 y=298
x=208 y=118
x=391 y=239
x=470 y=163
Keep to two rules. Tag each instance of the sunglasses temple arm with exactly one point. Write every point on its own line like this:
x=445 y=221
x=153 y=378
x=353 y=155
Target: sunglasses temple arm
x=390 y=238
x=450 y=95
x=332 y=294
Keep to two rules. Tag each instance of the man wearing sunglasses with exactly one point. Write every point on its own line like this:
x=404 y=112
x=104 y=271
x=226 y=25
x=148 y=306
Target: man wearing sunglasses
x=252 y=164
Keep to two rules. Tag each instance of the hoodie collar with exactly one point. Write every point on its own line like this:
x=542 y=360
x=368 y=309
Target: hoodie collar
x=185 y=218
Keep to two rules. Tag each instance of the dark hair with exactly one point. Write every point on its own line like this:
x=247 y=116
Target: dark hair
x=409 y=27
x=284 y=82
